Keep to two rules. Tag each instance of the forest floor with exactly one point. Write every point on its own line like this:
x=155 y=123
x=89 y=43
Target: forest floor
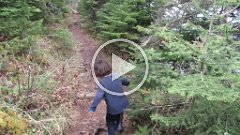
x=82 y=84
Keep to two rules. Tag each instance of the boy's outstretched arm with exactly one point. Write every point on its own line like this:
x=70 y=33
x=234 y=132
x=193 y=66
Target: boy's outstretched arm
x=99 y=96
x=125 y=81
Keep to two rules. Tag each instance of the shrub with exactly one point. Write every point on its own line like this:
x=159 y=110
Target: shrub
x=11 y=123
x=118 y=19
x=64 y=39
x=204 y=79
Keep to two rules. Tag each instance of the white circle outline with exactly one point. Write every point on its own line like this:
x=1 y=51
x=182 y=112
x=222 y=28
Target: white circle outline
x=126 y=41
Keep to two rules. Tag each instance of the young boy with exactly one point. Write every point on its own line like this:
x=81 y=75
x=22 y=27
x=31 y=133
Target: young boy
x=115 y=104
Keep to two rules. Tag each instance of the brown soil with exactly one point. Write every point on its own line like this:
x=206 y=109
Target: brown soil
x=82 y=86
x=84 y=122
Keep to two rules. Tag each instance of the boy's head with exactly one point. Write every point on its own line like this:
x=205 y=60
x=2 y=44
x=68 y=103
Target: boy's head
x=102 y=68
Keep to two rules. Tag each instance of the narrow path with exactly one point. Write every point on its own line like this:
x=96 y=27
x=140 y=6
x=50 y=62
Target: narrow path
x=83 y=122
x=89 y=44
x=81 y=84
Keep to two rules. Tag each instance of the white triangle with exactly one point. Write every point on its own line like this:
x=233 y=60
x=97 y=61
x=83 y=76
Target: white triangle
x=120 y=67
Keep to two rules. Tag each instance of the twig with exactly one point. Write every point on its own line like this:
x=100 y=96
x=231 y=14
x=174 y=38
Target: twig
x=210 y=27
x=29 y=77
x=162 y=106
x=230 y=11
x=207 y=37
x=146 y=42
x=18 y=81
x=33 y=121
x=178 y=19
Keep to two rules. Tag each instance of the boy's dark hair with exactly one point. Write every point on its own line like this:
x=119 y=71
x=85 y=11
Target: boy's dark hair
x=102 y=68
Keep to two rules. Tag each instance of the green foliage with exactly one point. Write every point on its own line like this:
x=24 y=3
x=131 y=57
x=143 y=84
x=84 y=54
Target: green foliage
x=116 y=18
x=192 y=87
x=203 y=76
x=19 y=46
x=142 y=131
x=88 y=9
x=22 y=24
x=204 y=117
x=15 y=17
x=64 y=39
x=21 y=20
x=46 y=82
x=50 y=10
x=11 y=123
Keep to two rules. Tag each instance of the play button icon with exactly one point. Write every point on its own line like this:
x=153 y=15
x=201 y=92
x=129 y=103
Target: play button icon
x=120 y=66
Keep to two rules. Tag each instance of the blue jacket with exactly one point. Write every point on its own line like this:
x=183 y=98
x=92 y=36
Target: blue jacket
x=115 y=104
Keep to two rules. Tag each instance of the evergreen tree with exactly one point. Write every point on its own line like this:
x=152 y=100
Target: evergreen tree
x=193 y=85
x=116 y=18
x=15 y=17
x=18 y=16
x=21 y=20
x=119 y=18
x=88 y=9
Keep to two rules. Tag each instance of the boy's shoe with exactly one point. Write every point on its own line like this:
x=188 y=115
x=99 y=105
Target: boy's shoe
x=120 y=128
x=92 y=109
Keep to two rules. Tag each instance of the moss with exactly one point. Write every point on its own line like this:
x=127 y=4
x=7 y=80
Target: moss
x=11 y=123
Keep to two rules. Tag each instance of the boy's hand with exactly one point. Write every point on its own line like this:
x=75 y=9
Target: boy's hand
x=92 y=109
x=125 y=82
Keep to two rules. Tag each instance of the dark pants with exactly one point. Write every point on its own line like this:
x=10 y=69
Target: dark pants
x=114 y=123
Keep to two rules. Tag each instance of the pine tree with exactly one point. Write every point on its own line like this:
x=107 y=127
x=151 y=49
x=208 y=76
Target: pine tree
x=119 y=18
x=116 y=18
x=21 y=20
x=88 y=9
x=193 y=86
x=15 y=17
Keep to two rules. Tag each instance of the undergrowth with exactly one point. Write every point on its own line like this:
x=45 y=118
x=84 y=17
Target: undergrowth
x=28 y=83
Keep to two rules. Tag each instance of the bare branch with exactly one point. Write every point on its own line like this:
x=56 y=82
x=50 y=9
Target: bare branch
x=230 y=11
x=210 y=26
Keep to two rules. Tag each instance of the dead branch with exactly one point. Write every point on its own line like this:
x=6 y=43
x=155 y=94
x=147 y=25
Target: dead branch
x=230 y=11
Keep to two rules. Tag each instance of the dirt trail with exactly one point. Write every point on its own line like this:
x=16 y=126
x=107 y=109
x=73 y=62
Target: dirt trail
x=79 y=83
x=84 y=123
